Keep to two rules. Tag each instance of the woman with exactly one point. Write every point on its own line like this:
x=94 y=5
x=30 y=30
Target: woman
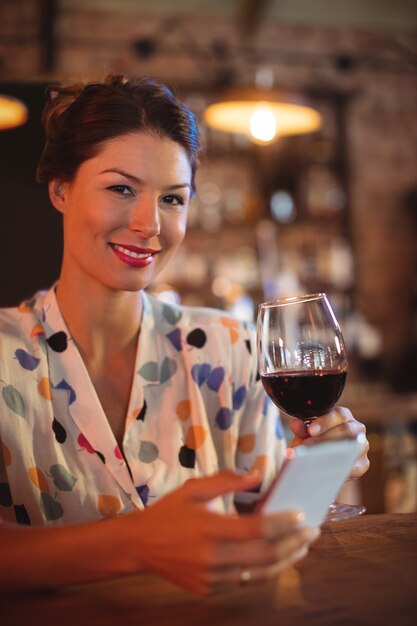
x=111 y=400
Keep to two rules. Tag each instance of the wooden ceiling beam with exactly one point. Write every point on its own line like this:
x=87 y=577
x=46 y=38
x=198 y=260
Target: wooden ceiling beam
x=250 y=15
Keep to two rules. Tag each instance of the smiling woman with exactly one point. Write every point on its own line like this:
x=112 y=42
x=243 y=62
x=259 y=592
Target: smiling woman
x=112 y=400
x=121 y=213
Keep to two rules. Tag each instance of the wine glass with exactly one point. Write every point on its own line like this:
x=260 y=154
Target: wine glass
x=303 y=363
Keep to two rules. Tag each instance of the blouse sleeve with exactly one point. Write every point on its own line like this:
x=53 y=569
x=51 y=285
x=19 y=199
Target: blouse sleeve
x=261 y=440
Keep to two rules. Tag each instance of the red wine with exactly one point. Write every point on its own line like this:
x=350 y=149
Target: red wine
x=305 y=394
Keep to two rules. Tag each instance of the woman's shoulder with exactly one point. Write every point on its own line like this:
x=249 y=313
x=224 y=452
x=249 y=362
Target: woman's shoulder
x=10 y=321
x=18 y=322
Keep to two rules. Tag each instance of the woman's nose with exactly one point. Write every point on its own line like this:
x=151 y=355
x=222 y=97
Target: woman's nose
x=145 y=218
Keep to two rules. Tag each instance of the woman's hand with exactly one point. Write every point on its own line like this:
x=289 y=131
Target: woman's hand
x=336 y=424
x=180 y=539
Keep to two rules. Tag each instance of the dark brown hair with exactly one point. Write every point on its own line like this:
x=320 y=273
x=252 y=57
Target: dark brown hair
x=79 y=118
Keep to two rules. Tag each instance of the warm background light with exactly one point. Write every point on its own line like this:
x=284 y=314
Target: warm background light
x=263 y=125
x=236 y=116
x=12 y=112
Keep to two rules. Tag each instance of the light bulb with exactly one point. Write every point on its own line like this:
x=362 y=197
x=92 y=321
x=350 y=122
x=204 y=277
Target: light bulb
x=263 y=125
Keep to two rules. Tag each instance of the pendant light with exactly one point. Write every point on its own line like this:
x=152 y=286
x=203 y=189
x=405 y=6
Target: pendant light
x=12 y=112
x=262 y=113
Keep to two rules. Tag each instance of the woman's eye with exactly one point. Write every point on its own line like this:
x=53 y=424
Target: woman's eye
x=173 y=200
x=122 y=190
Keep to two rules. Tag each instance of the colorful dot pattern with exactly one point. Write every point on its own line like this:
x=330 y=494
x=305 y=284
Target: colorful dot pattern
x=196 y=407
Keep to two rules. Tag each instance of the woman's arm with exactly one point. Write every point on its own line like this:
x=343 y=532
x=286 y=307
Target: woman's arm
x=178 y=538
x=38 y=557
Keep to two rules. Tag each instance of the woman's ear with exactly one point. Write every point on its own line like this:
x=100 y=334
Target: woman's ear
x=57 y=193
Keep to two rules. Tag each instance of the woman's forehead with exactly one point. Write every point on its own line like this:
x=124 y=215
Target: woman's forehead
x=141 y=153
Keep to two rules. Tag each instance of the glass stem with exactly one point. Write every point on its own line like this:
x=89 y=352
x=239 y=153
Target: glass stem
x=308 y=421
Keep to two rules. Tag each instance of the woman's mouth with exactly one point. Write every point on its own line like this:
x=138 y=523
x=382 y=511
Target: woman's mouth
x=133 y=255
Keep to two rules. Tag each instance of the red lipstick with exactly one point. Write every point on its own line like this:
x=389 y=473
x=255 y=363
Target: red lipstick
x=133 y=255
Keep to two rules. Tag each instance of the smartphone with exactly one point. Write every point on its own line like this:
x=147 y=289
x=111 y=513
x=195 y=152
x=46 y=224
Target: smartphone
x=311 y=477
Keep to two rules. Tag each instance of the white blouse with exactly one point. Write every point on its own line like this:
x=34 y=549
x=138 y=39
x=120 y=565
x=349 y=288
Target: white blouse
x=196 y=406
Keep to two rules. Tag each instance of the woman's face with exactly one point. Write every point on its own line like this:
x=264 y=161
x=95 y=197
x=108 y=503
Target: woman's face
x=125 y=211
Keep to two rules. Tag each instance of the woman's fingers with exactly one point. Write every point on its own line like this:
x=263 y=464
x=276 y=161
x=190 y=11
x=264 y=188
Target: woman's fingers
x=299 y=429
x=263 y=553
x=361 y=464
x=237 y=529
x=232 y=576
x=271 y=527
x=339 y=431
x=258 y=560
x=274 y=527
x=339 y=417
x=336 y=424
x=205 y=489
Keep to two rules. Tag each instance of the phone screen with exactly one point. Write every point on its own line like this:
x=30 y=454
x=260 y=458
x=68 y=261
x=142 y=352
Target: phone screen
x=310 y=478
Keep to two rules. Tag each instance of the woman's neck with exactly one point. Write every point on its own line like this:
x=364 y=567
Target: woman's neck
x=102 y=322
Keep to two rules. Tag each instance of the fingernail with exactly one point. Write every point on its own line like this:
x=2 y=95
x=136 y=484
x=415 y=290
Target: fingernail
x=314 y=429
x=300 y=517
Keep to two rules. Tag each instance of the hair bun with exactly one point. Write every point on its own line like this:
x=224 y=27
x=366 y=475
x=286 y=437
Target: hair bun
x=58 y=101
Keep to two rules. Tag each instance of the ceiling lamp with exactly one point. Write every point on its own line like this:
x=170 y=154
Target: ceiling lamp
x=12 y=112
x=262 y=115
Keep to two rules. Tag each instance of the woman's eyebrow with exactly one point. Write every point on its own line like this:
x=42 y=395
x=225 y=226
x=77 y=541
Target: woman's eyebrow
x=116 y=170
x=139 y=181
x=179 y=186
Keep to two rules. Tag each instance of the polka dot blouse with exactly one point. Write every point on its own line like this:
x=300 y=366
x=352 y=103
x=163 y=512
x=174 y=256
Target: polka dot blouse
x=196 y=406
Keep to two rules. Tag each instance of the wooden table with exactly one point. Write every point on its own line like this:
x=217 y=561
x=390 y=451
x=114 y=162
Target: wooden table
x=362 y=571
